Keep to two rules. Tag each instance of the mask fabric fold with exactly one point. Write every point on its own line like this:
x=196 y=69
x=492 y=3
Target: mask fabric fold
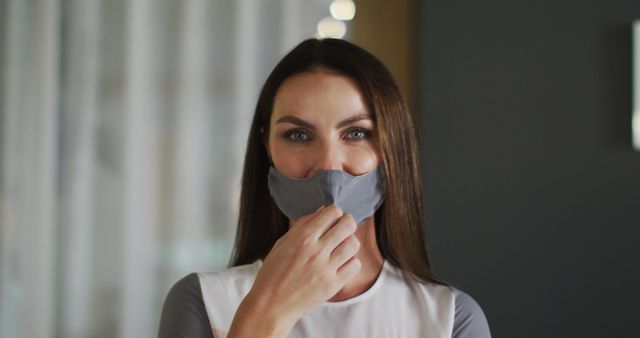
x=359 y=196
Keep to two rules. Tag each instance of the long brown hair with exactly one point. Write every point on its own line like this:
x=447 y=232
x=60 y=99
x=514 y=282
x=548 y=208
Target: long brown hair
x=399 y=221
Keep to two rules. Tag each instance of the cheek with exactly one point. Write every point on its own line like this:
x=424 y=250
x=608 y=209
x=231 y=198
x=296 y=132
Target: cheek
x=289 y=160
x=361 y=161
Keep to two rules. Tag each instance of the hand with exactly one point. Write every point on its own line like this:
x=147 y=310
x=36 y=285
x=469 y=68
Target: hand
x=308 y=265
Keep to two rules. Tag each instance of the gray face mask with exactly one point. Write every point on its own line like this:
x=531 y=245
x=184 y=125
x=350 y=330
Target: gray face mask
x=359 y=196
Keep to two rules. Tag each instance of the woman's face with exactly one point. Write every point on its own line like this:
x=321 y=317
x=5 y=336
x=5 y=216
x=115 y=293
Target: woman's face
x=319 y=122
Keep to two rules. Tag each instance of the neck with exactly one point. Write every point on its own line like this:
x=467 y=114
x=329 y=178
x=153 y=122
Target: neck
x=371 y=259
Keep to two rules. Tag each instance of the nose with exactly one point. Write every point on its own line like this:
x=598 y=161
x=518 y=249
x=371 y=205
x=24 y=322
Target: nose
x=326 y=157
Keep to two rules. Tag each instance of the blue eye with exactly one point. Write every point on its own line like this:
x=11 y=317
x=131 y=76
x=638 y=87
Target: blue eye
x=357 y=134
x=297 y=135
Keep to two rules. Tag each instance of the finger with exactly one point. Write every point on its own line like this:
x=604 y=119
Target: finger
x=345 y=226
x=348 y=270
x=304 y=219
x=345 y=251
x=322 y=221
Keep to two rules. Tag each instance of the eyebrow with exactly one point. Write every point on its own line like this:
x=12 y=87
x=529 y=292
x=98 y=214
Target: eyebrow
x=341 y=124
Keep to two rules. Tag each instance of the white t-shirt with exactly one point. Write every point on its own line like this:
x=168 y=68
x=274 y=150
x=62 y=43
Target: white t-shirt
x=392 y=307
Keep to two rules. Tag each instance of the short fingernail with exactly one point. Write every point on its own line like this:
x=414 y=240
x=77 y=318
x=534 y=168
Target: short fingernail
x=322 y=206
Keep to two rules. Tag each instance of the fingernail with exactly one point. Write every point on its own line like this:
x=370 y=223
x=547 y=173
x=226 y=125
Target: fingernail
x=322 y=206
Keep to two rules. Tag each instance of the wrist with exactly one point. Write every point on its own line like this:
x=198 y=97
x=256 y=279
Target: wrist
x=265 y=307
x=258 y=317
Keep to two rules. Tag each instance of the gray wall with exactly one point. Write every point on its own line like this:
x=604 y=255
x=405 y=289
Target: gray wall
x=532 y=189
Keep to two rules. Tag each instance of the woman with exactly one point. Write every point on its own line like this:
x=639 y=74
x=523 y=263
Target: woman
x=330 y=238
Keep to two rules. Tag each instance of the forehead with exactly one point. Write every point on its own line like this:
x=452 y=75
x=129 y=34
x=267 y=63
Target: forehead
x=319 y=93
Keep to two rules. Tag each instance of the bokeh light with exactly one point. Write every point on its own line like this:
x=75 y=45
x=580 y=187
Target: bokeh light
x=342 y=9
x=329 y=27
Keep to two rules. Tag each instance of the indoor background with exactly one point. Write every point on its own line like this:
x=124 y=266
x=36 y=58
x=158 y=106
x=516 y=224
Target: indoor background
x=123 y=126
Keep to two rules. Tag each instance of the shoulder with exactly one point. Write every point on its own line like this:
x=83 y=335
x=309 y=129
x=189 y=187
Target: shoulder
x=183 y=312
x=187 y=307
x=224 y=290
x=230 y=282
x=435 y=295
x=469 y=321
x=186 y=288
